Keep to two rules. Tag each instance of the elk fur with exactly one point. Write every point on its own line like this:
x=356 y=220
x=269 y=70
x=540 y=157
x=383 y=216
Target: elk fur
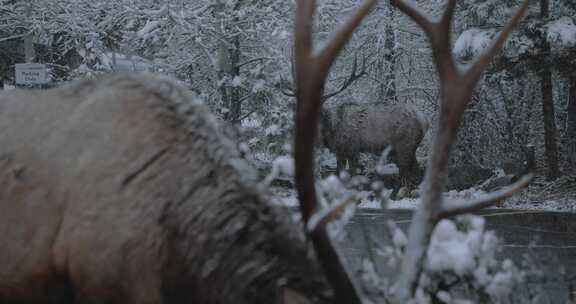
x=351 y=128
x=123 y=190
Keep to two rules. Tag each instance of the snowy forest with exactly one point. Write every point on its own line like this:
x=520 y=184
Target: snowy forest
x=237 y=56
x=516 y=134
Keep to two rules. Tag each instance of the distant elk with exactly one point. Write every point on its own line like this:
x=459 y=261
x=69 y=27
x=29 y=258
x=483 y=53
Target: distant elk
x=349 y=129
x=352 y=128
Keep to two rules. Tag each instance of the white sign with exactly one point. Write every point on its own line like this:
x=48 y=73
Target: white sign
x=31 y=73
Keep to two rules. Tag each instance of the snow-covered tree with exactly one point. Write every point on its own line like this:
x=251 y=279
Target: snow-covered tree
x=544 y=48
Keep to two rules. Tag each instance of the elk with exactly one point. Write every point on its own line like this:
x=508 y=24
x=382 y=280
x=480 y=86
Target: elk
x=456 y=88
x=123 y=190
x=352 y=128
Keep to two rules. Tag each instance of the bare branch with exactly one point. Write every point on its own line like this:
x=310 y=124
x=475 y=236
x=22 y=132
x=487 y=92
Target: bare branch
x=253 y=60
x=456 y=207
x=247 y=115
x=287 y=90
x=351 y=78
x=285 y=87
x=411 y=10
x=333 y=48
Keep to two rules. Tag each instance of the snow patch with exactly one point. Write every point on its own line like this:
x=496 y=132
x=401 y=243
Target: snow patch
x=125 y=62
x=562 y=32
x=453 y=250
x=472 y=42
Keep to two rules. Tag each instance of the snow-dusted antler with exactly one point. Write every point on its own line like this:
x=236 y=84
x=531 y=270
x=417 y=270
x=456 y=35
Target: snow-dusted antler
x=456 y=89
x=311 y=73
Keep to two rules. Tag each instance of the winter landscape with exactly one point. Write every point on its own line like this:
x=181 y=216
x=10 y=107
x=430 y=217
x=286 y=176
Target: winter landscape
x=329 y=151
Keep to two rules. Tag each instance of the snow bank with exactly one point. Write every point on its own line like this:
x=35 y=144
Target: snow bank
x=464 y=248
x=562 y=32
x=474 y=41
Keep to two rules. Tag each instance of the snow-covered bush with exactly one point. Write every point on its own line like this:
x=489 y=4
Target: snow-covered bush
x=461 y=264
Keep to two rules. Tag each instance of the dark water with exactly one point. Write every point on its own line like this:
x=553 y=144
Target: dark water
x=546 y=240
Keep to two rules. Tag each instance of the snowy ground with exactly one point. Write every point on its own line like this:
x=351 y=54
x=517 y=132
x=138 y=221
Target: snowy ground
x=559 y=196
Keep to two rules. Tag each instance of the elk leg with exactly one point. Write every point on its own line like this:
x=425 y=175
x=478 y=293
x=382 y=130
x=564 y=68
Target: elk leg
x=340 y=163
x=408 y=168
x=353 y=164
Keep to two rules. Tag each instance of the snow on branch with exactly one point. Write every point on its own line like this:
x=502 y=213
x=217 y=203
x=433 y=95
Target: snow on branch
x=326 y=215
x=472 y=42
x=456 y=207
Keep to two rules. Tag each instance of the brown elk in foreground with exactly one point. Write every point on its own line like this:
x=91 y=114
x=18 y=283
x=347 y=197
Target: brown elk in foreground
x=121 y=190
x=352 y=128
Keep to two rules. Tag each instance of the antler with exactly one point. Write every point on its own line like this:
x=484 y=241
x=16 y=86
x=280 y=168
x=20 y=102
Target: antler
x=354 y=75
x=311 y=73
x=456 y=89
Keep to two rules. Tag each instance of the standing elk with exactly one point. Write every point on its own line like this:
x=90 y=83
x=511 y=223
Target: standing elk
x=352 y=128
x=122 y=190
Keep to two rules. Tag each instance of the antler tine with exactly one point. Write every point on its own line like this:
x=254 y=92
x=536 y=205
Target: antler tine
x=448 y=14
x=311 y=73
x=411 y=11
x=473 y=74
x=350 y=79
x=453 y=207
x=438 y=33
x=455 y=90
x=303 y=30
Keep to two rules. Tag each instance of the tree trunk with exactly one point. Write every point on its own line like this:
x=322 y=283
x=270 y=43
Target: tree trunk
x=571 y=125
x=548 y=108
x=390 y=57
x=229 y=60
x=549 y=124
x=387 y=64
x=229 y=68
x=235 y=94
